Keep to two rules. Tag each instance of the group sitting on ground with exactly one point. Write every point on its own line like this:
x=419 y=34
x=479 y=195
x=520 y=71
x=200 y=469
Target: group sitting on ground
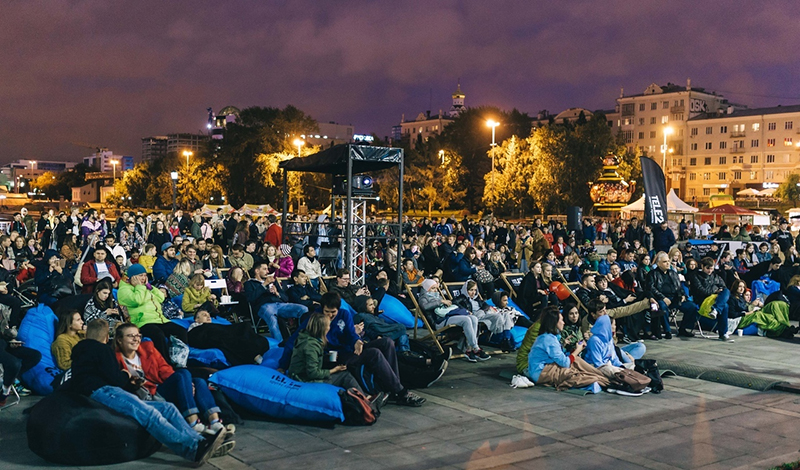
x=488 y=283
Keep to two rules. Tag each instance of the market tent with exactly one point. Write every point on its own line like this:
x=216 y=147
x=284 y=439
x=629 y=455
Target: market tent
x=768 y=192
x=674 y=205
x=729 y=209
x=257 y=210
x=748 y=192
x=209 y=210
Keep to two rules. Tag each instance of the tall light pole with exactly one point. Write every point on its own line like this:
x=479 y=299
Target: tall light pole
x=299 y=143
x=114 y=164
x=441 y=155
x=33 y=164
x=187 y=154
x=667 y=131
x=174 y=176
x=493 y=124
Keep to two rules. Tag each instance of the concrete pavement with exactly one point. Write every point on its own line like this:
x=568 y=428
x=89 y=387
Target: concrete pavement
x=473 y=420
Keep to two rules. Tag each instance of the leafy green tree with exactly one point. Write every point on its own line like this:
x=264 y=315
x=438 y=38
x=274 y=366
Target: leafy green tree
x=789 y=190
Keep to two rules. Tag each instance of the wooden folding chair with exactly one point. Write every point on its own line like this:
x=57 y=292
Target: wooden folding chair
x=512 y=281
x=443 y=334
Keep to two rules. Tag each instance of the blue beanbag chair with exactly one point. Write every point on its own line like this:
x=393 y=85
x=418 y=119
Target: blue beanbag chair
x=517 y=335
x=346 y=306
x=38 y=331
x=272 y=357
x=395 y=312
x=750 y=330
x=267 y=392
x=187 y=322
x=213 y=358
x=273 y=343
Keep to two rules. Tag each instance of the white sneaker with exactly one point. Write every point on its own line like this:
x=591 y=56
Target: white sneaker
x=527 y=381
x=520 y=381
x=713 y=313
x=199 y=427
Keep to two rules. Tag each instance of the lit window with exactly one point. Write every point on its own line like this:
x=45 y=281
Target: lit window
x=756 y=127
x=753 y=175
x=768 y=175
x=664 y=119
x=706 y=176
x=787 y=141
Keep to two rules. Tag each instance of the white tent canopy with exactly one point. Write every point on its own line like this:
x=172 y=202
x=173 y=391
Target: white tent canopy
x=748 y=192
x=674 y=204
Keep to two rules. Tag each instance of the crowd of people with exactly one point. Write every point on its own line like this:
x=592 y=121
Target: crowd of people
x=117 y=285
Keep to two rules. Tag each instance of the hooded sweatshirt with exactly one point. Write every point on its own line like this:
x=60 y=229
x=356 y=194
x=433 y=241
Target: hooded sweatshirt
x=600 y=348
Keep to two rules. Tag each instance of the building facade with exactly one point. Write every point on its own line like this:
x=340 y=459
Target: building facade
x=154 y=147
x=427 y=125
x=737 y=149
x=331 y=133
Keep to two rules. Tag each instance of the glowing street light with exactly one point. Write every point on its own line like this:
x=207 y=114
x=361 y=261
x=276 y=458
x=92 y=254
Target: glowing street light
x=667 y=131
x=187 y=154
x=174 y=176
x=493 y=124
x=114 y=164
x=441 y=155
x=299 y=143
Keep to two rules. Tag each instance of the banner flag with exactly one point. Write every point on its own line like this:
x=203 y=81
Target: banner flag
x=655 y=192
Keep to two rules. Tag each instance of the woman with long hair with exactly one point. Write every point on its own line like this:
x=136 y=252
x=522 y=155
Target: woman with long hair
x=177 y=282
x=103 y=305
x=159 y=235
x=69 y=332
x=216 y=259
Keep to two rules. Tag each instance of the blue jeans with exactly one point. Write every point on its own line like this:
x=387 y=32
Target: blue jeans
x=691 y=309
x=662 y=316
x=177 y=389
x=271 y=311
x=401 y=343
x=636 y=350
x=161 y=419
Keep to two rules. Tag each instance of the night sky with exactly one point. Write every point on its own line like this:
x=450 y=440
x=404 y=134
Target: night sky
x=106 y=74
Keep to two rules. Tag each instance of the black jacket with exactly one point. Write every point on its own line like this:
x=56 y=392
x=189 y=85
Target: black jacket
x=660 y=285
x=94 y=365
x=258 y=294
x=296 y=292
x=704 y=285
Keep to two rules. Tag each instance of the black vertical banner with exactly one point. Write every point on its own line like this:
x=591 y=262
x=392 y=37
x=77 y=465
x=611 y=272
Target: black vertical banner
x=655 y=192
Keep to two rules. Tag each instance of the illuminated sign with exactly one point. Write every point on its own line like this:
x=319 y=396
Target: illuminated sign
x=363 y=138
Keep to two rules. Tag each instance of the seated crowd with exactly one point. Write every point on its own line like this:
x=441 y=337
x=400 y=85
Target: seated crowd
x=118 y=287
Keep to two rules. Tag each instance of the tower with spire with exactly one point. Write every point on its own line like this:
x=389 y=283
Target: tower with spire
x=458 y=102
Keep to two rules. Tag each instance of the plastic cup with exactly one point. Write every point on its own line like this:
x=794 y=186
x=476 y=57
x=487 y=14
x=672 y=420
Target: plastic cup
x=739 y=332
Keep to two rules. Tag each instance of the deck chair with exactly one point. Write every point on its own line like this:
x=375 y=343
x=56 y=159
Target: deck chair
x=446 y=334
x=323 y=283
x=512 y=281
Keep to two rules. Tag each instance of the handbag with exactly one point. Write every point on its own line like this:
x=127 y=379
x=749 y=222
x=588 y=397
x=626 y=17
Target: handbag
x=649 y=367
x=483 y=276
x=632 y=381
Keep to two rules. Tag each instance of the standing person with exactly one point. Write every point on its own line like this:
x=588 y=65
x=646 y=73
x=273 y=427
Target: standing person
x=96 y=374
x=782 y=236
x=663 y=238
x=310 y=265
x=274 y=234
x=91 y=228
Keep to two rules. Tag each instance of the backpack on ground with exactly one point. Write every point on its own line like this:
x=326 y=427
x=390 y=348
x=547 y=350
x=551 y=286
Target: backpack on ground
x=649 y=367
x=357 y=409
x=631 y=381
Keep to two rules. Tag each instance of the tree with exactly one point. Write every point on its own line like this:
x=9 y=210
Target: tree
x=789 y=190
x=470 y=138
x=435 y=180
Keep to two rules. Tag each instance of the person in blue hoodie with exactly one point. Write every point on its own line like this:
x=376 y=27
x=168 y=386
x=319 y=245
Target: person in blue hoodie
x=459 y=266
x=600 y=350
x=373 y=363
x=548 y=364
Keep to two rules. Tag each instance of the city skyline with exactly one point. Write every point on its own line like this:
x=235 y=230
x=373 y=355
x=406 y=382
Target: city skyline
x=108 y=76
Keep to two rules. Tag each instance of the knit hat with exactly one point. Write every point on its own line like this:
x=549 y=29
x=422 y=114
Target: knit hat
x=166 y=246
x=285 y=249
x=135 y=270
x=427 y=284
x=49 y=254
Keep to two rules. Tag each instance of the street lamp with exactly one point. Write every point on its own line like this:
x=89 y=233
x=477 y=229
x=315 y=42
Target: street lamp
x=667 y=131
x=187 y=154
x=114 y=164
x=33 y=163
x=493 y=124
x=441 y=155
x=299 y=143
x=174 y=176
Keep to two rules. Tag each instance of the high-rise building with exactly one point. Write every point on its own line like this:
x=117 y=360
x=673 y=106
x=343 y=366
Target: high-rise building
x=331 y=133
x=177 y=143
x=103 y=158
x=154 y=147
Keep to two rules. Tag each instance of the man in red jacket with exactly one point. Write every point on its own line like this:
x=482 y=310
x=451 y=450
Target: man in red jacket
x=96 y=269
x=274 y=235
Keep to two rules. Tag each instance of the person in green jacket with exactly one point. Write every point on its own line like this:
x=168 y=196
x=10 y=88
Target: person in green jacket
x=308 y=354
x=144 y=307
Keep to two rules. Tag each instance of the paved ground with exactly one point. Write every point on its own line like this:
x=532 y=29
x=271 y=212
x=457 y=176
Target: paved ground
x=473 y=420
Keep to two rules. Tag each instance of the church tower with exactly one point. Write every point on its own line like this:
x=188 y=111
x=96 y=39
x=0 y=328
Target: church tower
x=458 y=102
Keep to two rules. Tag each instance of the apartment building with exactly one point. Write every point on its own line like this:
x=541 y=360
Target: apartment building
x=737 y=149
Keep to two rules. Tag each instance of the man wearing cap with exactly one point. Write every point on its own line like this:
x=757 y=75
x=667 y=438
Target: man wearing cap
x=165 y=263
x=782 y=236
x=96 y=269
